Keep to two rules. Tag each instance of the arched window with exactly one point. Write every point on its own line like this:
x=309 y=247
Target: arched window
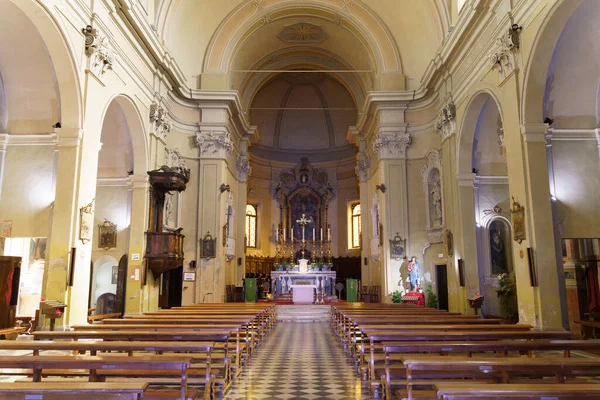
x=251 y=225
x=356 y=228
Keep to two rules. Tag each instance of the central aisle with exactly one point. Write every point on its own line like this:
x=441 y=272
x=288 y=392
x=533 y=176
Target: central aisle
x=300 y=361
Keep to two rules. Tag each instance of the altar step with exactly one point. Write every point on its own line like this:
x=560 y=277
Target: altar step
x=304 y=313
x=287 y=298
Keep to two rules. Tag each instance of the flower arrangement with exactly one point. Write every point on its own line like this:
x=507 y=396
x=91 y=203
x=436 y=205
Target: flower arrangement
x=507 y=293
x=396 y=296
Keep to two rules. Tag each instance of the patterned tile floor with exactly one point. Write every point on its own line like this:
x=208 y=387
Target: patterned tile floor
x=299 y=361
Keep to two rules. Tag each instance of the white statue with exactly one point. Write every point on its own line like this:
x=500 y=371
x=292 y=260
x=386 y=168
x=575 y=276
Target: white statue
x=375 y=215
x=436 y=201
x=168 y=221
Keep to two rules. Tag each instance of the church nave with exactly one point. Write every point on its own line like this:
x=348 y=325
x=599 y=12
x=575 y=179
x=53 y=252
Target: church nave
x=300 y=361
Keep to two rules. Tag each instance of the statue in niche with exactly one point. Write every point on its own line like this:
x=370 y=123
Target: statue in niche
x=499 y=251
x=435 y=193
x=169 y=211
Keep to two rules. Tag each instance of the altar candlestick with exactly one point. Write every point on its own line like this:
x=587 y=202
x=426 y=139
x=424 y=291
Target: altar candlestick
x=314 y=237
x=277 y=235
x=284 y=235
x=329 y=234
x=321 y=234
x=292 y=234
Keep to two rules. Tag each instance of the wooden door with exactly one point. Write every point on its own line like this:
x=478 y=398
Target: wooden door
x=121 y=284
x=10 y=274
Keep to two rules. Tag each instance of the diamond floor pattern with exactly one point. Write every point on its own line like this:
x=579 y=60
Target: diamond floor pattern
x=299 y=361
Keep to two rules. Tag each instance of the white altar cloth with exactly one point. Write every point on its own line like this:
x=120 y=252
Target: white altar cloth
x=303 y=294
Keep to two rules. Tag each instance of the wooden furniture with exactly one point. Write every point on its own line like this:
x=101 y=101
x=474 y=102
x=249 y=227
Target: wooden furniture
x=259 y=265
x=72 y=390
x=10 y=273
x=589 y=326
x=11 y=333
x=464 y=391
x=164 y=250
x=52 y=309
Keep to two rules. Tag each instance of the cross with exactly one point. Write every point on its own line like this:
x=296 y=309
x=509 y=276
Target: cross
x=303 y=222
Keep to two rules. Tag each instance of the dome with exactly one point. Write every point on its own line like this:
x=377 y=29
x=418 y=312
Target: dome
x=303 y=113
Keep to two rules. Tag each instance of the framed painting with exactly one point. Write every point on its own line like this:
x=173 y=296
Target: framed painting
x=397 y=247
x=518 y=221
x=86 y=222
x=208 y=246
x=107 y=235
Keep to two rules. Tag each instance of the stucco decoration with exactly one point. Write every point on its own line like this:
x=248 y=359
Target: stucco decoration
x=171 y=214
x=302 y=32
x=173 y=158
x=500 y=132
x=431 y=176
x=391 y=144
x=503 y=57
x=243 y=168
x=97 y=48
x=159 y=120
x=445 y=123
x=214 y=143
x=363 y=167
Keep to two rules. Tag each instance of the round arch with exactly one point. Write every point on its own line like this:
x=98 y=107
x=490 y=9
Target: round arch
x=135 y=123
x=61 y=54
x=468 y=125
x=244 y=20
x=540 y=56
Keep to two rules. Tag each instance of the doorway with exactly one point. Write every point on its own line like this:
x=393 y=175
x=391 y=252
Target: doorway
x=171 y=288
x=442 y=286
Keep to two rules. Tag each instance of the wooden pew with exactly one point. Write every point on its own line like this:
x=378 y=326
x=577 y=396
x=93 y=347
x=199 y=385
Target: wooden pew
x=72 y=390
x=589 y=324
x=11 y=333
x=99 y=367
x=502 y=368
x=396 y=351
x=462 y=391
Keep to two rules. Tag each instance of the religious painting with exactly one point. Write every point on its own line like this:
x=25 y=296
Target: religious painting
x=500 y=247
x=518 y=221
x=86 y=223
x=208 y=246
x=304 y=201
x=107 y=235
x=397 y=247
x=449 y=243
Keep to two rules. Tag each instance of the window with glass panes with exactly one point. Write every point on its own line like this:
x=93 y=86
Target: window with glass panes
x=356 y=228
x=251 y=225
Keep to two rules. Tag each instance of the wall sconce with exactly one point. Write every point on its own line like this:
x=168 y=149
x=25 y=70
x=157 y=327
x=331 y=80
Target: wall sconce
x=224 y=188
x=381 y=188
x=193 y=264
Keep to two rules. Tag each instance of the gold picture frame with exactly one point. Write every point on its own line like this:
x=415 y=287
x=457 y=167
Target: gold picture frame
x=517 y=214
x=107 y=235
x=86 y=215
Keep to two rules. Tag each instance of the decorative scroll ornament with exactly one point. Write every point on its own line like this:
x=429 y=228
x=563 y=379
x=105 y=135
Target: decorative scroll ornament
x=214 y=143
x=363 y=167
x=102 y=57
x=391 y=144
x=159 y=120
x=500 y=132
x=243 y=169
x=302 y=32
x=173 y=158
x=445 y=123
x=503 y=58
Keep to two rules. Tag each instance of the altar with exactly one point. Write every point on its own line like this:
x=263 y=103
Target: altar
x=287 y=282
x=303 y=294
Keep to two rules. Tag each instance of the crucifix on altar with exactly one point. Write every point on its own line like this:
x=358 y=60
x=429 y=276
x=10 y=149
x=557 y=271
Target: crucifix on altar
x=303 y=221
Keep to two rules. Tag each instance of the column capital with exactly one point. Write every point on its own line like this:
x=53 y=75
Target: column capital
x=214 y=142
x=243 y=168
x=139 y=181
x=466 y=180
x=69 y=137
x=391 y=145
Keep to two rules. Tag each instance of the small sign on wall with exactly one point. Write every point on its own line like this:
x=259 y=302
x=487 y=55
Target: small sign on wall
x=189 y=276
x=135 y=257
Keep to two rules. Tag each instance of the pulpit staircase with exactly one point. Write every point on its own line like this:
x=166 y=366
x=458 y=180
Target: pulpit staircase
x=303 y=313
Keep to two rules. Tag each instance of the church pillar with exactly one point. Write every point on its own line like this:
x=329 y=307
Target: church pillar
x=215 y=147
x=529 y=186
x=390 y=184
x=363 y=171
x=467 y=245
x=68 y=273
x=243 y=171
x=136 y=289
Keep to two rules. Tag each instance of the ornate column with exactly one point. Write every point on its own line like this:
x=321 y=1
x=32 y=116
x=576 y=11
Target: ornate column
x=467 y=243
x=215 y=147
x=389 y=146
x=363 y=172
x=243 y=172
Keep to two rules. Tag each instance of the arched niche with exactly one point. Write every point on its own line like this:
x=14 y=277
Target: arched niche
x=102 y=280
x=431 y=177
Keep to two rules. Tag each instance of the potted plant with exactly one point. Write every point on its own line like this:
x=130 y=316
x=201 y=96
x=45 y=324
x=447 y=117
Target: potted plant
x=432 y=300
x=396 y=296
